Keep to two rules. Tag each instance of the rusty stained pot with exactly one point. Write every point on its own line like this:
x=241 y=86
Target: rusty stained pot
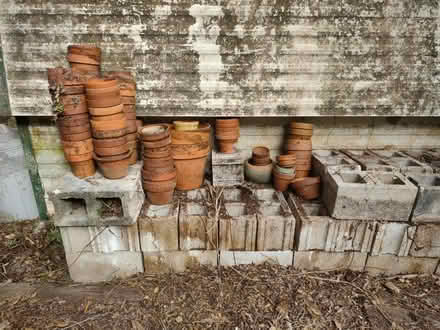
x=281 y=181
x=113 y=167
x=308 y=187
x=83 y=169
x=160 y=192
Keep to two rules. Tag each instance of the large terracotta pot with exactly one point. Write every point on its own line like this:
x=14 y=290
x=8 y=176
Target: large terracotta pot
x=77 y=136
x=83 y=169
x=74 y=90
x=113 y=167
x=75 y=148
x=106 y=111
x=96 y=83
x=85 y=68
x=76 y=58
x=74 y=109
x=74 y=129
x=112 y=151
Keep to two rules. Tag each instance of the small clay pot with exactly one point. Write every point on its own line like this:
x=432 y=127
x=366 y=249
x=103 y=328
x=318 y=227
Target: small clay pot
x=96 y=83
x=83 y=169
x=260 y=152
x=128 y=100
x=109 y=133
x=131 y=126
x=159 y=186
x=75 y=148
x=180 y=125
x=74 y=90
x=159 y=174
x=74 y=129
x=77 y=137
x=308 y=188
x=286 y=158
x=286 y=163
x=281 y=181
x=108 y=125
x=158 y=152
x=299 y=145
x=106 y=111
x=128 y=92
x=112 y=151
x=113 y=167
x=129 y=108
x=227 y=123
x=157 y=144
x=258 y=174
x=78 y=158
x=302 y=173
x=116 y=116
x=103 y=102
x=87 y=50
x=85 y=68
x=227 y=147
x=201 y=135
x=74 y=109
x=261 y=161
x=105 y=96
x=160 y=193
x=96 y=92
x=294 y=124
x=73 y=99
x=304 y=162
x=73 y=120
x=301 y=132
x=301 y=154
x=84 y=59
x=108 y=143
x=158 y=162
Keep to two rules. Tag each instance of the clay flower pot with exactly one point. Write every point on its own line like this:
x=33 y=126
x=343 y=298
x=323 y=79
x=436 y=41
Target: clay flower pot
x=83 y=169
x=299 y=145
x=157 y=144
x=308 y=188
x=116 y=116
x=284 y=170
x=109 y=133
x=131 y=126
x=128 y=100
x=73 y=120
x=185 y=125
x=129 y=108
x=108 y=125
x=77 y=136
x=103 y=102
x=74 y=109
x=96 y=83
x=75 y=148
x=74 y=90
x=159 y=174
x=112 y=151
x=281 y=181
x=74 y=129
x=73 y=158
x=111 y=142
x=85 y=50
x=160 y=192
x=154 y=132
x=260 y=152
x=132 y=146
x=113 y=167
x=190 y=170
x=77 y=58
x=158 y=152
x=294 y=124
x=258 y=174
x=227 y=123
x=150 y=163
x=202 y=135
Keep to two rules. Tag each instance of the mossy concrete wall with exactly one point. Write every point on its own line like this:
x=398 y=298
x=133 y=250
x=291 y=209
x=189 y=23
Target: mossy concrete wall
x=236 y=57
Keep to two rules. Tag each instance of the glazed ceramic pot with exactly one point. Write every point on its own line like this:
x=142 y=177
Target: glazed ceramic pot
x=258 y=174
x=83 y=169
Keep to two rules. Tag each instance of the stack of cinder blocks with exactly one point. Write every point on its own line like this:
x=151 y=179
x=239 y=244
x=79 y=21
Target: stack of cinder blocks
x=97 y=219
x=227 y=169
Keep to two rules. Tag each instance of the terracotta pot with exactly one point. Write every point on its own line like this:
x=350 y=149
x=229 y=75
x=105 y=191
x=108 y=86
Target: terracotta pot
x=128 y=92
x=235 y=131
x=227 y=147
x=121 y=76
x=227 y=123
x=73 y=99
x=281 y=182
x=116 y=116
x=299 y=145
x=189 y=151
x=83 y=169
x=128 y=100
x=108 y=143
x=87 y=50
x=301 y=173
x=308 y=188
x=76 y=58
x=305 y=167
x=74 y=129
x=284 y=170
x=74 y=120
x=301 y=154
x=139 y=124
x=159 y=174
x=260 y=152
x=159 y=186
x=258 y=174
x=157 y=144
x=78 y=158
x=103 y=96
x=160 y=198
x=190 y=172
x=77 y=137
x=180 y=125
x=112 y=151
x=260 y=161
x=113 y=167
x=96 y=83
x=74 y=90
x=85 y=68
x=94 y=92
x=75 y=148
x=104 y=102
x=287 y=157
x=301 y=125
x=109 y=133
x=126 y=85
x=132 y=137
x=158 y=152
x=130 y=116
x=108 y=125
x=131 y=126
x=287 y=164
x=129 y=108
x=132 y=146
x=227 y=138
x=201 y=135
x=305 y=162
x=301 y=132
x=106 y=111
x=158 y=162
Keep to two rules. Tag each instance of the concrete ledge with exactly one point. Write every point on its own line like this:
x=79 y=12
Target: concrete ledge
x=98 y=267
x=325 y=261
x=232 y=258
x=427 y=208
x=393 y=238
x=178 y=261
x=426 y=241
x=393 y=265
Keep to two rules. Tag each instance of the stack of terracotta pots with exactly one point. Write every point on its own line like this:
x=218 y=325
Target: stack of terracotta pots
x=108 y=127
x=299 y=143
x=68 y=94
x=259 y=167
x=158 y=172
x=85 y=59
x=127 y=87
x=307 y=188
x=227 y=132
x=284 y=172
x=190 y=147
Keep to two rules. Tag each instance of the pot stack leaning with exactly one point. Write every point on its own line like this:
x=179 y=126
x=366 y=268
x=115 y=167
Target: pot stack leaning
x=299 y=143
x=158 y=173
x=190 y=149
x=127 y=87
x=109 y=127
x=284 y=172
x=68 y=95
x=84 y=59
x=227 y=132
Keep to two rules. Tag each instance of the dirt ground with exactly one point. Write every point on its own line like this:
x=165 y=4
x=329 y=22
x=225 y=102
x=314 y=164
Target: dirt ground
x=36 y=293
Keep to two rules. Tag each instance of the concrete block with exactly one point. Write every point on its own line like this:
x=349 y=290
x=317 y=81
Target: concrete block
x=426 y=242
x=370 y=196
x=95 y=239
x=158 y=227
x=238 y=227
x=80 y=202
x=405 y=163
x=97 y=267
x=368 y=160
x=227 y=169
x=232 y=258
x=393 y=265
x=327 y=261
x=198 y=228
x=427 y=208
x=430 y=157
x=393 y=238
x=178 y=261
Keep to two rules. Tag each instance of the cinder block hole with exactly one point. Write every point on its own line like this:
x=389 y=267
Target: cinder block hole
x=428 y=181
x=390 y=179
x=235 y=209
x=75 y=207
x=352 y=178
x=385 y=153
x=196 y=209
x=327 y=153
x=197 y=194
x=337 y=161
x=267 y=195
x=110 y=207
x=272 y=209
x=407 y=162
x=312 y=209
x=360 y=153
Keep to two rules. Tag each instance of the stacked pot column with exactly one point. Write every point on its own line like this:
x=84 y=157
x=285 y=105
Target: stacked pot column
x=158 y=172
x=84 y=59
x=127 y=86
x=299 y=143
x=190 y=149
x=284 y=172
x=227 y=132
x=68 y=96
x=109 y=127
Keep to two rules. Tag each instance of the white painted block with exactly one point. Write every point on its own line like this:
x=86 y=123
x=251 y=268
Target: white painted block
x=328 y=261
x=394 y=265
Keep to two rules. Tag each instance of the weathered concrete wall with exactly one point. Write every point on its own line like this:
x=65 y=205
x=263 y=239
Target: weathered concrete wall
x=237 y=57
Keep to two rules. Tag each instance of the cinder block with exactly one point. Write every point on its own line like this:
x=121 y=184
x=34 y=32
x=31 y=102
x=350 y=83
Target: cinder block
x=158 y=227
x=80 y=202
x=430 y=157
x=227 y=169
x=327 y=261
x=368 y=160
x=233 y=258
x=427 y=208
x=198 y=228
x=393 y=238
x=97 y=267
x=370 y=196
x=426 y=241
x=404 y=163
x=393 y=265
x=100 y=239
x=178 y=261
